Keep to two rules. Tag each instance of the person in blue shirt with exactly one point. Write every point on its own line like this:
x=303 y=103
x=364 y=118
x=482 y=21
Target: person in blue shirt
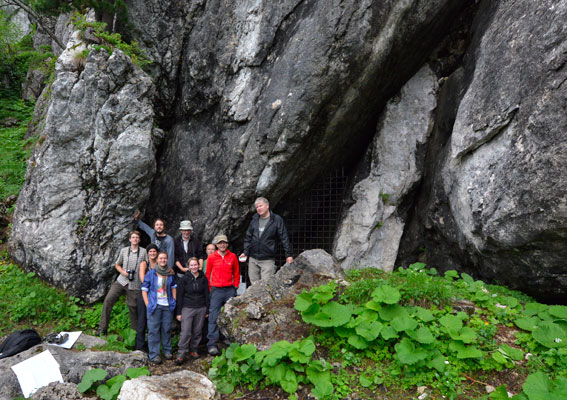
x=157 y=235
x=159 y=292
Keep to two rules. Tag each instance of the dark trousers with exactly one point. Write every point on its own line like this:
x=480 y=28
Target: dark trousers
x=192 y=321
x=219 y=296
x=142 y=323
x=117 y=290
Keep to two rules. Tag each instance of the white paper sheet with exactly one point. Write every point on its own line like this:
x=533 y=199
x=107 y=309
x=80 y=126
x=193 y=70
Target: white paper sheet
x=36 y=372
x=73 y=336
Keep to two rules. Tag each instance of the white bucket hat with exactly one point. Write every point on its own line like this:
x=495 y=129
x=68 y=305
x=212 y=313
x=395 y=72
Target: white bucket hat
x=185 y=226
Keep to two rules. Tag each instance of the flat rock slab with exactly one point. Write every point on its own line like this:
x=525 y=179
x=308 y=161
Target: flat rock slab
x=72 y=364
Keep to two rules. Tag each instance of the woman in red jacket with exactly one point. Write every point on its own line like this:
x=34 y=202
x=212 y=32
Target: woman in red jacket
x=223 y=274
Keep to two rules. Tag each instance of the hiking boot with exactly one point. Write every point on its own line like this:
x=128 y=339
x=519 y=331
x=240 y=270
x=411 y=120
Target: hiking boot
x=168 y=356
x=194 y=355
x=156 y=361
x=179 y=360
x=213 y=351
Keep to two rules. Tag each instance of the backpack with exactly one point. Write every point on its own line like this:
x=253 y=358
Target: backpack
x=19 y=341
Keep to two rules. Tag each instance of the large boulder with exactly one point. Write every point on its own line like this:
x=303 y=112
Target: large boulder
x=265 y=313
x=187 y=384
x=89 y=172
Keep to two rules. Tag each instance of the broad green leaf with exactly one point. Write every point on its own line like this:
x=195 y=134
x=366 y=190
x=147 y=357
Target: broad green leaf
x=417 y=266
x=357 y=342
x=499 y=358
x=307 y=347
x=244 y=352
x=90 y=377
x=439 y=363
x=365 y=381
x=452 y=274
x=510 y=301
x=373 y=305
x=344 y=332
x=531 y=309
x=303 y=301
x=467 y=278
x=229 y=352
x=451 y=322
x=389 y=312
x=136 y=372
x=369 y=330
x=296 y=356
x=388 y=332
x=537 y=386
x=321 y=379
x=500 y=393
x=289 y=382
x=558 y=311
x=322 y=294
x=103 y=392
x=129 y=337
x=424 y=314
x=275 y=373
x=225 y=387
x=331 y=314
x=367 y=315
x=276 y=352
x=513 y=353
x=386 y=294
x=323 y=391
x=467 y=335
x=407 y=352
x=527 y=324
x=465 y=351
x=424 y=335
x=404 y=323
x=550 y=335
x=480 y=295
x=546 y=316
x=116 y=379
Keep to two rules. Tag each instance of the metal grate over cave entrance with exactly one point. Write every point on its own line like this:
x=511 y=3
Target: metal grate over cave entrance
x=312 y=218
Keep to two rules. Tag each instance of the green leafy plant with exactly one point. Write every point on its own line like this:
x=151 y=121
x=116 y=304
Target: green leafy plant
x=110 y=389
x=284 y=364
x=110 y=41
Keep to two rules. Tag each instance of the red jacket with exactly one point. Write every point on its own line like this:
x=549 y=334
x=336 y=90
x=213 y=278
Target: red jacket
x=223 y=271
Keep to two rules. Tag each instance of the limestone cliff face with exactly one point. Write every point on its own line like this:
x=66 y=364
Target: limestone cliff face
x=463 y=130
x=91 y=167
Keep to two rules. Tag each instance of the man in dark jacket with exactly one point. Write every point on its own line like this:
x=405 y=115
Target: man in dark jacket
x=260 y=242
x=186 y=246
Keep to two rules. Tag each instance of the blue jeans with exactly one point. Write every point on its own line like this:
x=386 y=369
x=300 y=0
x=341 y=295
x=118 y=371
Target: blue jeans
x=159 y=324
x=219 y=296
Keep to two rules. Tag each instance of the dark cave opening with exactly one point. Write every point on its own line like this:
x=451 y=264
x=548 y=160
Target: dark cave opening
x=312 y=217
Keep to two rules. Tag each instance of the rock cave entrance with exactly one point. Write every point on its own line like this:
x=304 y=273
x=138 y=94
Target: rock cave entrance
x=312 y=217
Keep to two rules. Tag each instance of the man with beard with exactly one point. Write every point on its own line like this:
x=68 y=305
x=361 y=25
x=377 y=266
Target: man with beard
x=163 y=241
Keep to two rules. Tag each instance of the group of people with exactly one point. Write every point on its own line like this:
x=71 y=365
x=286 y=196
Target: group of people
x=179 y=279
